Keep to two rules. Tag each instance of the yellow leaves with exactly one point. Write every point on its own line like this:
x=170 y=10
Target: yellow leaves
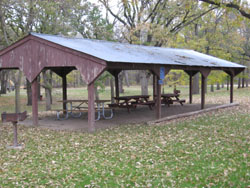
x=176 y=77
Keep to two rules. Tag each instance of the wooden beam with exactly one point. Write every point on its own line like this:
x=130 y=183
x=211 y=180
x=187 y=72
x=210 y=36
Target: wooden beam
x=64 y=90
x=61 y=71
x=190 y=89
x=232 y=74
x=34 y=87
x=231 y=88
x=205 y=72
x=91 y=107
x=114 y=71
x=203 y=84
x=156 y=70
x=154 y=86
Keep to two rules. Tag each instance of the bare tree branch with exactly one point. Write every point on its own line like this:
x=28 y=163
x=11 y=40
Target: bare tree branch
x=185 y=23
x=104 y=2
x=229 y=5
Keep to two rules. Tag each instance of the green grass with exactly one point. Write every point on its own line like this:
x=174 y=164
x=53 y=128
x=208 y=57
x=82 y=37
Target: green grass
x=206 y=151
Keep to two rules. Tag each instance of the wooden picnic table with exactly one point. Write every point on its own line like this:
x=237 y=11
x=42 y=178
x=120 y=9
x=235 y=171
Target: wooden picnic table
x=77 y=108
x=170 y=98
x=132 y=101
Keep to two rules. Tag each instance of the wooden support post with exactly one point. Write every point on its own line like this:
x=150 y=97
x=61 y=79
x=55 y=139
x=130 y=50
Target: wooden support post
x=91 y=107
x=158 y=100
x=190 y=89
x=34 y=87
x=231 y=88
x=203 y=85
x=64 y=91
x=154 y=87
x=116 y=85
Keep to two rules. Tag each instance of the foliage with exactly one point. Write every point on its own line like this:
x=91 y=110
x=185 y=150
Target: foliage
x=216 y=34
x=176 y=77
x=87 y=19
x=100 y=82
x=66 y=17
x=217 y=77
x=153 y=22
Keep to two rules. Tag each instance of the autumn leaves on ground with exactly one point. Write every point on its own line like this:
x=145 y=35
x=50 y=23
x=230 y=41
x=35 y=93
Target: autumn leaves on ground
x=211 y=150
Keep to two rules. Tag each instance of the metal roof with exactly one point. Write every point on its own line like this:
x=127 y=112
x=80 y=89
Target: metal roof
x=128 y=53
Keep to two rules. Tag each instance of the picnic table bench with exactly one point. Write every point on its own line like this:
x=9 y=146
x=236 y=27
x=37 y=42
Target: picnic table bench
x=77 y=107
x=132 y=101
x=170 y=98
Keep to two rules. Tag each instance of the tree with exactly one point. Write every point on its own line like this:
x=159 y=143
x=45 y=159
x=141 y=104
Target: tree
x=215 y=34
x=86 y=19
x=17 y=77
x=47 y=85
x=241 y=6
x=153 y=22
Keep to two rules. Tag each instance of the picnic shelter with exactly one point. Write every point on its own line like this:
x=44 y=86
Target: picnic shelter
x=37 y=52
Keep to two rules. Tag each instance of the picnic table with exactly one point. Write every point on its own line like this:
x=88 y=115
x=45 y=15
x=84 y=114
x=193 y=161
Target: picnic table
x=170 y=98
x=77 y=107
x=132 y=101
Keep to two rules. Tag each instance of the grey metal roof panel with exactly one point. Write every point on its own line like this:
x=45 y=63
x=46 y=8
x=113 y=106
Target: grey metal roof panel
x=127 y=53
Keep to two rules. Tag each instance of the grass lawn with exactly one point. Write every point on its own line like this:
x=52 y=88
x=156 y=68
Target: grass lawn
x=210 y=150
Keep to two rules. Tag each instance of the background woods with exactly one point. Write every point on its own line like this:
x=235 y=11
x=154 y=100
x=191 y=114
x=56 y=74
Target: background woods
x=218 y=28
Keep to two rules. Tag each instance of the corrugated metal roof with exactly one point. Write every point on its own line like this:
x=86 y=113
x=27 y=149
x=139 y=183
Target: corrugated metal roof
x=127 y=53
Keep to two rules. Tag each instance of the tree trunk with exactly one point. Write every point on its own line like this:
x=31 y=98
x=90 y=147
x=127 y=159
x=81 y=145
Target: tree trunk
x=17 y=77
x=48 y=101
x=46 y=85
x=196 y=85
x=222 y=84
x=96 y=94
x=227 y=83
x=126 y=78
x=243 y=79
x=29 y=93
x=144 y=83
x=17 y=92
x=144 y=77
x=120 y=78
x=112 y=90
x=4 y=78
x=212 y=88
x=239 y=82
x=217 y=86
x=137 y=77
